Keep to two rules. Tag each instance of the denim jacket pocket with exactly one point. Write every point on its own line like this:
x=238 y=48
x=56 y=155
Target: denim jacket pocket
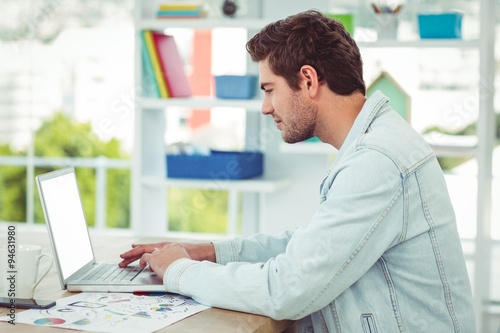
x=368 y=323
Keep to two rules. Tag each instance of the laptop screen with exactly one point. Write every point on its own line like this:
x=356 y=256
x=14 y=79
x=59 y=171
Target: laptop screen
x=65 y=217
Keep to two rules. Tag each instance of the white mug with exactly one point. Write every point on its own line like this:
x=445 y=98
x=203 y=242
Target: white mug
x=19 y=269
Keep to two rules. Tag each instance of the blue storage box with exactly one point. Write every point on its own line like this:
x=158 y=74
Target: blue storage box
x=445 y=25
x=217 y=165
x=235 y=86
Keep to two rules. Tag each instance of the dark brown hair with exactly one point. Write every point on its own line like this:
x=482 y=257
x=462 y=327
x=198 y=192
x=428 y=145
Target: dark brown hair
x=310 y=38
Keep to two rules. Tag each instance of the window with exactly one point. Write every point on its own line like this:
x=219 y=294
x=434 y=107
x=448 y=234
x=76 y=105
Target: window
x=66 y=91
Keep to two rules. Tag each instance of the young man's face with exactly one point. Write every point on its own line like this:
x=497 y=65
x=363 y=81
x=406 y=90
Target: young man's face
x=294 y=115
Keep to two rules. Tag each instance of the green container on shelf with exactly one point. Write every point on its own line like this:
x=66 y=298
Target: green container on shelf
x=346 y=19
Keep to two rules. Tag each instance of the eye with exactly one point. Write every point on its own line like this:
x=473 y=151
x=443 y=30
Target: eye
x=267 y=91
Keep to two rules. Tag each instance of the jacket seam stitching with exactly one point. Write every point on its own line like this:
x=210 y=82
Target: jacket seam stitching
x=355 y=252
x=438 y=258
x=405 y=172
x=336 y=319
x=323 y=322
x=392 y=294
x=179 y=273
x=406 y=208
x=234 y=252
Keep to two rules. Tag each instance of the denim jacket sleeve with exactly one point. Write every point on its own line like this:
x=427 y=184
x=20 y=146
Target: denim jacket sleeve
x=347 y=235
x=256 y=248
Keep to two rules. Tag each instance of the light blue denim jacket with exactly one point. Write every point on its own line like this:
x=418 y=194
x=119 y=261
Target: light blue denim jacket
x=381 y=254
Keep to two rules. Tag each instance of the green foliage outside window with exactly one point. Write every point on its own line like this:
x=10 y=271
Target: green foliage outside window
x=449 y=162
x=189 y=210
x=60 y=137
x=12 y=189
x=197 y=210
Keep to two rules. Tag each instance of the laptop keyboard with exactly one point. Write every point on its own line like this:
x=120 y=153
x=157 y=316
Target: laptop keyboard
x=111 y=272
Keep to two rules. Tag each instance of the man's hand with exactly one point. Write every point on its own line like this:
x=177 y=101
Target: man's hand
x=160 y=259
x=137 y=251
x=204 y=251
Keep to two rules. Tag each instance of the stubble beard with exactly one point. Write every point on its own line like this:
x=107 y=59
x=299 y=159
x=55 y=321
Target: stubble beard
x=302 y=122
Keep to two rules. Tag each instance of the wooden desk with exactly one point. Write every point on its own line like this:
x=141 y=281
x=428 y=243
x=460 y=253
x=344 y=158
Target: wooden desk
x=109 y=246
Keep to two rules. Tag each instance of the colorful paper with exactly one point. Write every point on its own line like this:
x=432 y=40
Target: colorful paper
x=113 y=312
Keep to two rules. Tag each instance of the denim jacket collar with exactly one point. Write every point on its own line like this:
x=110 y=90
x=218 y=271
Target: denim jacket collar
x=371 y=108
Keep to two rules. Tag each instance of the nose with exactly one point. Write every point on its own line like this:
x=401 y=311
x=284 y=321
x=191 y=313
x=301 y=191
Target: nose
x=267 y=107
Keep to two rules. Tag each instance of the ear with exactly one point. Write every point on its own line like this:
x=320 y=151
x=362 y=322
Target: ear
x=309 y=80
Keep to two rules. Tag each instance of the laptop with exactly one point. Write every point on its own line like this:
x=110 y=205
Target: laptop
x=73 y=253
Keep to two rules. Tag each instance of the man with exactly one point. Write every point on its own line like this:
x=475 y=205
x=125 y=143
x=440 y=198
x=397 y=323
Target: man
x=382 y=253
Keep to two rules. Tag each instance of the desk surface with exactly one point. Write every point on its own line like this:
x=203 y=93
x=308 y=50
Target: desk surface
x=108 y=246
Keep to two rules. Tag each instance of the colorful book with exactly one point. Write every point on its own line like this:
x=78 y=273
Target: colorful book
x=180 y=6
x=149 y=83
x=157 y=68
x=179 y=13
x=172 y=65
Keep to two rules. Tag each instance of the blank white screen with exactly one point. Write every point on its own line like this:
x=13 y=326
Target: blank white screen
x=67 y=222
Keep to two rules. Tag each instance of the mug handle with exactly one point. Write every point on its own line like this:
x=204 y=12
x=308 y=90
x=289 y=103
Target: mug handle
x=45 y=273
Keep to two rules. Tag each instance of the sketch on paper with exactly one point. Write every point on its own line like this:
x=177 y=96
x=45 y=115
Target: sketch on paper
x=113 y=312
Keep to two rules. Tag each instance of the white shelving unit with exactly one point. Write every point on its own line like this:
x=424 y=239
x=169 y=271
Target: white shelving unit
x=486 y=139
x=204 y=23
x=202 y=102
x=258 y=184
x=422 y=43
x=149 y=212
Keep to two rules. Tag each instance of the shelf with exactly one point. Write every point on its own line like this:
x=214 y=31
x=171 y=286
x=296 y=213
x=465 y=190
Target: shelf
x=202 y=23
x=452 y=145
x=259 y=184
x=421 y=43
x=307 y=148
x=466 y=146
x=202 y=103
x=453 y=151
x=257 y=24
